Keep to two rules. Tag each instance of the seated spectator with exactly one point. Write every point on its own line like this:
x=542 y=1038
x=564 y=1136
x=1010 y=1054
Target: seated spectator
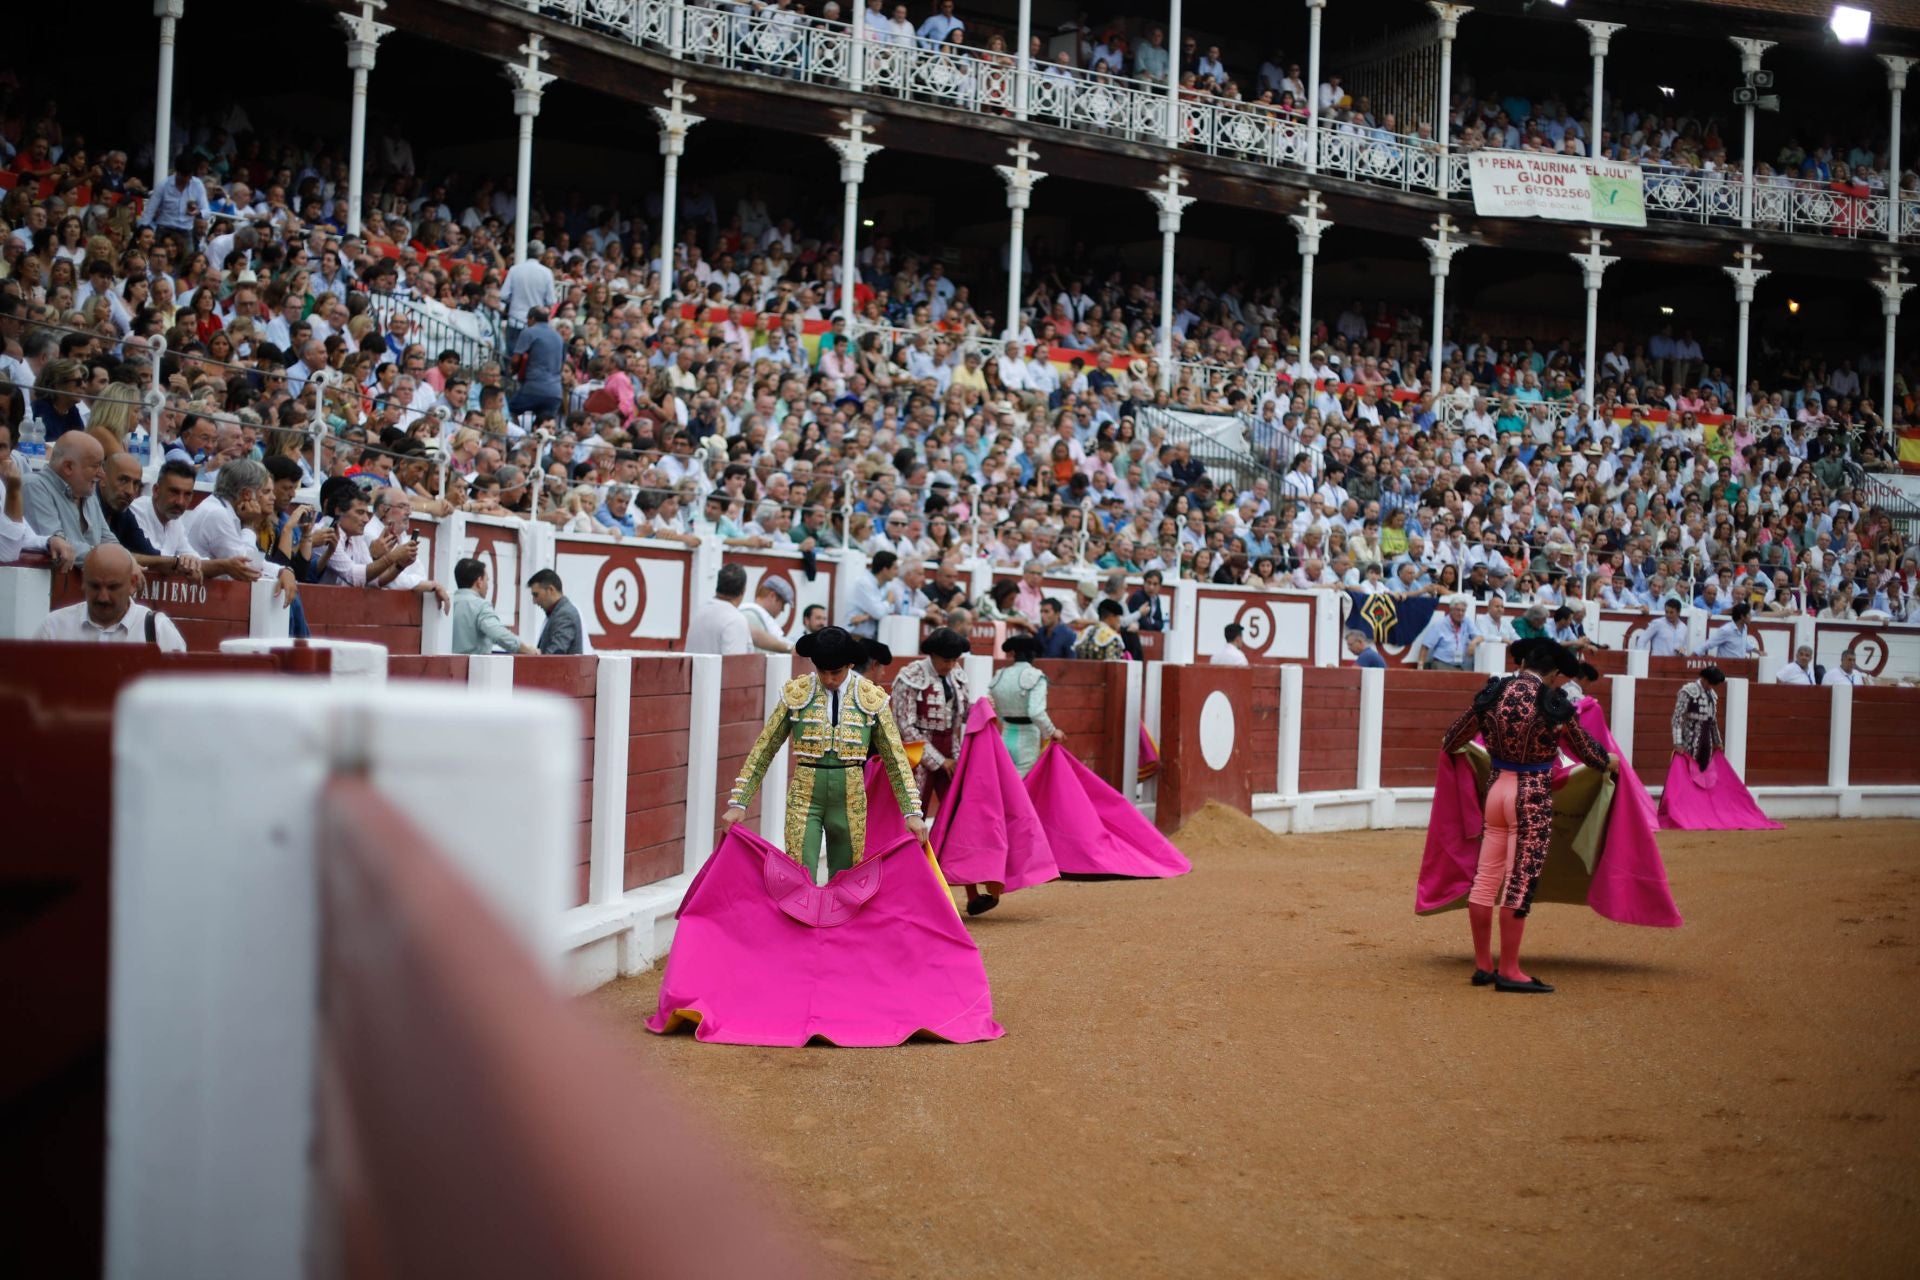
x=232 y=525
x=17 y=537
x=108 y=615
x=63 y=500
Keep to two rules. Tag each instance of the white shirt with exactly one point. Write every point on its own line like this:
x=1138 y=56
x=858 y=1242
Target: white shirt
x=214 y=532
x=72 y=624
x=1231 y=656
x=1838 y=676
x=529 y=284
x=1666 y=640
x=17 y=536
x=168 y=539
x=1794 y=673
x=719 y=627
x=755 y=616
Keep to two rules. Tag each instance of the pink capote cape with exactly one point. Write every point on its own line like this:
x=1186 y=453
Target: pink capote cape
x=1629 y=879
x=987 y=831
x=1093 y=829
x=1710 y=799
x=872 y=958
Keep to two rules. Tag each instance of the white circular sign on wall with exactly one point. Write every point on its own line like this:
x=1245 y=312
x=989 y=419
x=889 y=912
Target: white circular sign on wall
x=1216 y=730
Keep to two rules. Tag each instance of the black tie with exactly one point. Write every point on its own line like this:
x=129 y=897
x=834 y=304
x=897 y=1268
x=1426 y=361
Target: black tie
x=946 y=684
x=835 y=721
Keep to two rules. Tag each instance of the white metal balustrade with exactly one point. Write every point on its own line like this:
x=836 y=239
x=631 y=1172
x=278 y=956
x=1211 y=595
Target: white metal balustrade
x=789 y=46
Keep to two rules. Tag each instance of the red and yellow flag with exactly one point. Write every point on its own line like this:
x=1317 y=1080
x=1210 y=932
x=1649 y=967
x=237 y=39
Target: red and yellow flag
x=1910 y=450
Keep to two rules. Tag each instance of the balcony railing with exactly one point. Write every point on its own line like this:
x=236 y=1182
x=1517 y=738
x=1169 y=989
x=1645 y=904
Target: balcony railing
x=787 y=46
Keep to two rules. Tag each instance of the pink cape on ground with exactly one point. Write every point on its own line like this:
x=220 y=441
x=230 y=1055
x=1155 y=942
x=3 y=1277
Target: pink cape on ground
x=1629 y=879
x=872 y=958
x=1710 y=799
x=1093 y=829
x=987 y=831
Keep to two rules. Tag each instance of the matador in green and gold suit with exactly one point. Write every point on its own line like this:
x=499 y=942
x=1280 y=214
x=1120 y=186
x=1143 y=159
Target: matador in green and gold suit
x=832 y=729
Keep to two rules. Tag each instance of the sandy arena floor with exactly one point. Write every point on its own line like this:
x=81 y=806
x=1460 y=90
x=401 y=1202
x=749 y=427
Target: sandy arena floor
x=1271 y=1067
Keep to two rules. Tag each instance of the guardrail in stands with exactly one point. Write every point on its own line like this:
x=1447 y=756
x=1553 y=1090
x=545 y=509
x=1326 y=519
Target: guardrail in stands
x=814 y=51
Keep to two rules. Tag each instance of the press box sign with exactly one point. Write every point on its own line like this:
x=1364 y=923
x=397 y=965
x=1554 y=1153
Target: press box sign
x=1521 y=184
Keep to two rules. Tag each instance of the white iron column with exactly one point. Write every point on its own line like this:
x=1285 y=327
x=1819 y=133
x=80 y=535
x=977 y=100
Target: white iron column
x=1593 y=264
x=1173 y=75
x=674 y=120
x=1315 y=10
x=1449 y=15
x=1171 y=204
x=169 y=12
x=1897 y=68
x=363 y=42
x=1750 y=51
x=1022 y=64
x=529 y=82
x=1440 y=251
x=854 y=151
x=1019 y=177
x=1598 y=34
x=1311 y=227
x=1892 y=289
x=1745 y=277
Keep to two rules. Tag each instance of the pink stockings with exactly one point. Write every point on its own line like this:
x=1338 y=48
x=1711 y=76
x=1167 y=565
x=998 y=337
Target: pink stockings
x=1498 y=845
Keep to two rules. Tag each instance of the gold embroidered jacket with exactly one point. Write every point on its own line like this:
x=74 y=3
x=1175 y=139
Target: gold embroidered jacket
x=805 y=714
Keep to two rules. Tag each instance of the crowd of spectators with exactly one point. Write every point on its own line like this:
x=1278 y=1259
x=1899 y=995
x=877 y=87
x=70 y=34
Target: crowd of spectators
x=906 y=434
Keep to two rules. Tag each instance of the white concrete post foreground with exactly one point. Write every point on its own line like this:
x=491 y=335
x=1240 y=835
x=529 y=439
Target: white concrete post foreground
x=1449 y=15
x=854 y=151
x=1311 y=227
x=1892 y=290
x=1020 y=178
x=529 y=82
x=1441 y=248
x=1171 y=204
x=1897 y=68
x=674 y=120
x=1621 y=721
x=363 y=43
x=1598 y=34
x=210 y=1116
x=1745 y=277
x=1593 y=264
x=169 y=12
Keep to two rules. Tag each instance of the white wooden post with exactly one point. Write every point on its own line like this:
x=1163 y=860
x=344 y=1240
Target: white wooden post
x=612 y=726
x=347 y=659
x=1637 y=660
x=210 y=1116
x=1329 y=626
x=703 y=759
x=490 y=673
x=268 y=617
x=1183 y=623
x=1736 y=734
x=436 y=625
x=1622 y=718
x=1151 y=679
x=1373 y=706
x=773 y=787
x=1490 y=657
x=1293 y=681
x=1840 y=737
x=26 y=597
x=1130 y=742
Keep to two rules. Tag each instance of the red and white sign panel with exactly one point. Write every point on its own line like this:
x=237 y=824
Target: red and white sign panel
x=1275 y=626
x=631 y=594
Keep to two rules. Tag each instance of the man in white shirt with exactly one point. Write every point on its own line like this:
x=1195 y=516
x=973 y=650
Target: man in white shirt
x=529 y=284
x=108 y=614
x=1667 y=636
x=1233 y=655
x=1800 y=670
x=773 y=597
x=217 y=529
x=1847 y=673
x=1494 y=624
x=718 y=626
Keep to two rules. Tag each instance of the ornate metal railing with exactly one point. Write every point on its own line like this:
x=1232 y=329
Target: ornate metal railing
x=783 y=45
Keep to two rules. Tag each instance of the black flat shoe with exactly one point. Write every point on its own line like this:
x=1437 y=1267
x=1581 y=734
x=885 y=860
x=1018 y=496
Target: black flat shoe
x=1532 y=986
x=981 y=905
x=1483 y=977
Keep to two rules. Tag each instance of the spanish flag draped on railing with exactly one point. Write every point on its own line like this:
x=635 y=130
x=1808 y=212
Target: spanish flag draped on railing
x=1910 y=450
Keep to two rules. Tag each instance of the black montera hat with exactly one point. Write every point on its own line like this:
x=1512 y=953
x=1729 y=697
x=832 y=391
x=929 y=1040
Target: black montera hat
x=829 y=648
x=944 y=642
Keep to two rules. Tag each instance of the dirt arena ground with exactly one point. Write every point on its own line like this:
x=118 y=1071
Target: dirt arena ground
x=1271 y=1067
